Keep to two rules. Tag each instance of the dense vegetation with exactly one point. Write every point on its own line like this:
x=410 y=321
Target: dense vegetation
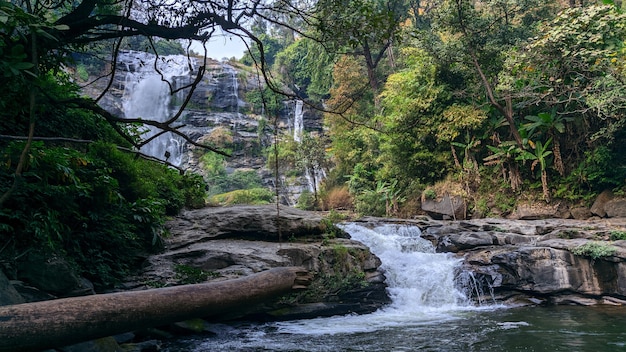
x=466 y=97
x=519 y=96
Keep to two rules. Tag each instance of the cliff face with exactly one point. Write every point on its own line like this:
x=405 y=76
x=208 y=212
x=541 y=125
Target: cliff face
x=217 y=105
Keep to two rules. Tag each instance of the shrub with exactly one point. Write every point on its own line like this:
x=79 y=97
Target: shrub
x=99 y=210
x=306 y=201
x=256 y=196
x=617 y=235
x=595 y=250
x=338 y=198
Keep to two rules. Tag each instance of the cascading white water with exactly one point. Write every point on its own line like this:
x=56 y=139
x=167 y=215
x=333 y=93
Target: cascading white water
x=421 y=283
x=298 y=122
x=232 y=72
x=315 y=175
x=147 y=96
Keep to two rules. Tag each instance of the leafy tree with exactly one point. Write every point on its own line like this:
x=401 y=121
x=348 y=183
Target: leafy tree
x=575 y=71
x=306 y=68
x=362 y=28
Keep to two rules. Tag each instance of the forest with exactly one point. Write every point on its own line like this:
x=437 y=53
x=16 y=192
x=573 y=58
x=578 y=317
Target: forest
x=497 y=100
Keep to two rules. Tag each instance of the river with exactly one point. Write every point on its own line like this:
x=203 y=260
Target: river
x=430 y=311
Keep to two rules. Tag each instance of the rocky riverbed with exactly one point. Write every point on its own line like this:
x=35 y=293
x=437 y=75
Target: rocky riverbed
x=521 y=262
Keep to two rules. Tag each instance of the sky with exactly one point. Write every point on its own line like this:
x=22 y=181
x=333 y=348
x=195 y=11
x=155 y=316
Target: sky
x=222 y=46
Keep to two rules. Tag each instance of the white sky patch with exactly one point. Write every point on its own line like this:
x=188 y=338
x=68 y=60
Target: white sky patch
x=221 y=46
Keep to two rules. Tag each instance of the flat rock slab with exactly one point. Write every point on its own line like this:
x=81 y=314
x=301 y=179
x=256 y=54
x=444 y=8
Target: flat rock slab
x=258 y=222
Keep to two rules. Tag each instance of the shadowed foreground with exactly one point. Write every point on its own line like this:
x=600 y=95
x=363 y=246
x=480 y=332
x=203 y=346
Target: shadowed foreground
x=54 y=323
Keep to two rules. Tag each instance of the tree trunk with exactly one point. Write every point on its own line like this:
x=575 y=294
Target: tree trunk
x=48 y=324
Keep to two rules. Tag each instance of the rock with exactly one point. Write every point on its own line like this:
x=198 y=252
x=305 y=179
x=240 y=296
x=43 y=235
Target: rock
x=581 y=213
x=53 y=275
x=8 y=293
x=534 y=211
x=31 y=294
x=598 y=205
x=448 y=207
x=244 y=222
x=615 y=208
x=143 y=346
x=224 y=243
x=105 y=344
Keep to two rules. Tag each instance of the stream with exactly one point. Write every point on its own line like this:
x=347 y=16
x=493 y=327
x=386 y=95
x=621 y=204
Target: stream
x=430 y=311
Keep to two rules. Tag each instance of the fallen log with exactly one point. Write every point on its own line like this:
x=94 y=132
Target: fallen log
x=60 y=322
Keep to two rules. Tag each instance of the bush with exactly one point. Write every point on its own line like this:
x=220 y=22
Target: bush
x=595 y=250
x=99 y=210
x=306 y=201
x=256 y=196
x=337 y=198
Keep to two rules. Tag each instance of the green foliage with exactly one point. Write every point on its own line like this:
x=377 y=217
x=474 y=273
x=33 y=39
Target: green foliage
x=98 y=209
x=307 y=68
x=616 y=235
x=255 y=196
x=306 y=201
x=186 y=274
x=595 y=250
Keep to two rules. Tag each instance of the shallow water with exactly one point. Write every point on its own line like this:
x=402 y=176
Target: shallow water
x=562 y=328
x=429 y=312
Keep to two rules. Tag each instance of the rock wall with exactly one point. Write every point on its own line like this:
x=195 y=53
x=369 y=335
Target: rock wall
x=218 y=102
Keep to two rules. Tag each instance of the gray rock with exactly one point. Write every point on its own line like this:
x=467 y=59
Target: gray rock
x=615 y=208
x=243 y=222
x=8 y=293
x=448 y=207
x=598 y=205
x=53 y=275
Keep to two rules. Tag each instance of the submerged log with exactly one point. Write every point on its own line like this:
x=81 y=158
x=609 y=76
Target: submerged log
x=47 y=324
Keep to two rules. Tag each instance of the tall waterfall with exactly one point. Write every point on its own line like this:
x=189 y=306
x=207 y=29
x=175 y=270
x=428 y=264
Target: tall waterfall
x=315 y=175
x=421 y=283
x=147 y=96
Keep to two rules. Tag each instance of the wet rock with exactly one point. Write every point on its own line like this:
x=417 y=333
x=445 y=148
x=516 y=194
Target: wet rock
x=105 y=344
x=8 y=293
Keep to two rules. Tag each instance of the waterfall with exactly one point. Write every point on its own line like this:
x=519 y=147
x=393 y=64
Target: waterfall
x=418 y=279
x=228 y=70
x=422 y=284
x=298 y=123
x=315 y=175
x=147 y=96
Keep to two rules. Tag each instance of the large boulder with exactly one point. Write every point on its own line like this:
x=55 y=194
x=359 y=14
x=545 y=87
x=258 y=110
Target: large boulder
x=615 y=208
x=215 y=244
x=446 y=207
x=259 y=222
x=598 y=205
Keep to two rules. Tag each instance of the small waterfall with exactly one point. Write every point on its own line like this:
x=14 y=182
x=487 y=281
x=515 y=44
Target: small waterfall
x=422 y=284
x=418 y=279
x=298 y=122
x=147 y=96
